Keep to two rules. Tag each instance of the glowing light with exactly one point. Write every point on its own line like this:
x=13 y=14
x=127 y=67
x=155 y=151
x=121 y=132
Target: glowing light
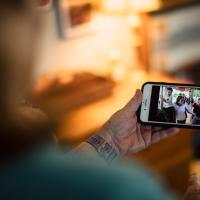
x=114 y=5
x=144 y=5
x=134 y=20
x=131 y=5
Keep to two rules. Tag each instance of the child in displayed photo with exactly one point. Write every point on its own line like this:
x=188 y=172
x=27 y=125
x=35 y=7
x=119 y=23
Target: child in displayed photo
x=181 y=109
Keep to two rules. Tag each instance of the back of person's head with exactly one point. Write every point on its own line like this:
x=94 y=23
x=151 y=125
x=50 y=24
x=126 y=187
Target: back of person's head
x=18 y=31
x=19 y=26
x=178 y=99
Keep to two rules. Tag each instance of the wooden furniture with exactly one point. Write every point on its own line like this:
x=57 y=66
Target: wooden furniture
x=164 y=47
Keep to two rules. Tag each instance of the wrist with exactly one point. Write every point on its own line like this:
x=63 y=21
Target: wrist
x=104 y=146
x=110 y=136
x=117 y=141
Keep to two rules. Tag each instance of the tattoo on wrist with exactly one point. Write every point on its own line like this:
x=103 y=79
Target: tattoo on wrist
x=103 y=148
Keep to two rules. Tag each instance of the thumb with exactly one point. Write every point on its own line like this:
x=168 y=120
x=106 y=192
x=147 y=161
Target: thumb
x=135 y=102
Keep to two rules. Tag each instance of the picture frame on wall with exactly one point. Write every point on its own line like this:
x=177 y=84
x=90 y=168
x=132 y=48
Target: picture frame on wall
x=73 y=17
x=45 y=4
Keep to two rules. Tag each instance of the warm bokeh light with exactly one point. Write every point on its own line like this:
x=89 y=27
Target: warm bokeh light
x=134 y=20
x=124 y=6
x=114 y=5
x=144 y=5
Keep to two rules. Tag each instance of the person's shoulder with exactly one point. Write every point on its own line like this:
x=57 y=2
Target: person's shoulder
x=119 y=180
x=63 y=175
x=133 y=180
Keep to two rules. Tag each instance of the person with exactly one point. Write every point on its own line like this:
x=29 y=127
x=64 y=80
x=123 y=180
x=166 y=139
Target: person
x=181 y=107
x=196 y=110
x=32 y=167
x=168 y=107
x=190 y=100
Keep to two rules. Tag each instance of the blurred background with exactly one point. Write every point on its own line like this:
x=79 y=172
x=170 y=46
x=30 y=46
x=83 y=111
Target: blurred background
x=94 y=54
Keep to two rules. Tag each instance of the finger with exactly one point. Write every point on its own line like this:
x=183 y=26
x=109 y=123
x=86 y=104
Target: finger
x=173 y=131
x=159 y=135
x=193 y=179
x=168 y=132
x=135 y=102
x=194 y=189
x=158 y=128
x=155 y=137
x=146 y=128
x=146 y=134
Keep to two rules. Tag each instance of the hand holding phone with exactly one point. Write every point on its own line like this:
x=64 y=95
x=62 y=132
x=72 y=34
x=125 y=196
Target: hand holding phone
x=170 y=104
x=124 y=132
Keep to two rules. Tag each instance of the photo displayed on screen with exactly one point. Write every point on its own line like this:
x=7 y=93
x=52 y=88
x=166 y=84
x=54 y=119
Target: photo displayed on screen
x=173 y=104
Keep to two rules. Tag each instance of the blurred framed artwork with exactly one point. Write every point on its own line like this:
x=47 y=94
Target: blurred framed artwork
x=73 y=17
x=45 y=4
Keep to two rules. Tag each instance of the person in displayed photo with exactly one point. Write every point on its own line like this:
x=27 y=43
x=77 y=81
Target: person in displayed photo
x=167 y=106
x=190 y=101
x=196 y=110
x=181 y=108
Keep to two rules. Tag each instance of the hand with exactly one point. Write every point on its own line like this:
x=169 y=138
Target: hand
x=127 y=134
x=193 y=190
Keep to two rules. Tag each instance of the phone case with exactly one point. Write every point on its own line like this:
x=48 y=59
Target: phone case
x=160 y=124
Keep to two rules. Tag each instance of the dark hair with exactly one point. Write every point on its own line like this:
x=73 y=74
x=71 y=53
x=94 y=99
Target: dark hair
x=13 y=4
x=6 y=5
x=18 y=133
x=4 y=69
x=178 y=99
x=169 y=88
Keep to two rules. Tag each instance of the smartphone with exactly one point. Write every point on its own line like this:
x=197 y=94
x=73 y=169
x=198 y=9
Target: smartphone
x=170 y=104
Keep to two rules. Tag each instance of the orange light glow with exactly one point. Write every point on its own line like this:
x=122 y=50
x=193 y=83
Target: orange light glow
x=114 y=5
x=144 y=5
x=134 y=21
x=131 y=5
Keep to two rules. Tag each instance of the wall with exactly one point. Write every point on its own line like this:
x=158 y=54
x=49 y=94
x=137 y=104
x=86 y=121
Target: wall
x=110 y=39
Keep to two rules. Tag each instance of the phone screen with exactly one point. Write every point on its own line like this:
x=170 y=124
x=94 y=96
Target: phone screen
x=171 y=104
